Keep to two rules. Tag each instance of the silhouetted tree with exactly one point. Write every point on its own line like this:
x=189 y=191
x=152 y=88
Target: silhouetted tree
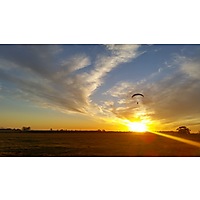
x=26 y=128
x=183 y=130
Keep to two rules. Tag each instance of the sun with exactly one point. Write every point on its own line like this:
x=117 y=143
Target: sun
x=137 y=126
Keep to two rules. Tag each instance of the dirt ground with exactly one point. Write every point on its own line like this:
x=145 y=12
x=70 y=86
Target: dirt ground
x=90 y=144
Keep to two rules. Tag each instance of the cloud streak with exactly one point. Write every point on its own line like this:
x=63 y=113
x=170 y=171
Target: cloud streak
x=44 y=76
x=172 y=100
x=39 y=75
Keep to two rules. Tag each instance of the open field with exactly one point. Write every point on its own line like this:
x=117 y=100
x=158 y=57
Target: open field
x=94 y=144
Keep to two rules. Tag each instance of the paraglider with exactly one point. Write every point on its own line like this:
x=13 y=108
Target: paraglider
x=137 y=94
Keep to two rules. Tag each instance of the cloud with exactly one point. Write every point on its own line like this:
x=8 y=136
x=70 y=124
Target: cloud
x=41 y=75
x=90 y=81
x=176 y=105
x=121 y=89
x=191 y=67
x=123 y=53
x=37 y=59
x=73 y=64
x=172 y=100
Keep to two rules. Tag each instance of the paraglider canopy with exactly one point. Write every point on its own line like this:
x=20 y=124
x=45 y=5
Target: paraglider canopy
x=137 y=94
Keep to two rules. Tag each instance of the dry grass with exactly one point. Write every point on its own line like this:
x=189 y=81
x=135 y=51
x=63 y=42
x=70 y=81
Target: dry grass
x=93 y=144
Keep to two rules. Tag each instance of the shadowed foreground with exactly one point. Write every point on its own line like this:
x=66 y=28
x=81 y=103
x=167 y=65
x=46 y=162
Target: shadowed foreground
x=93 y=144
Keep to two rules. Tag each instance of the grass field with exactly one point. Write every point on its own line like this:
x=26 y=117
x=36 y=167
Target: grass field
x=94 y=144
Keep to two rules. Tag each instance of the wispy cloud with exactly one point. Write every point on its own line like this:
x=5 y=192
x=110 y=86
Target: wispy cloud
x=39 y=75
x=171 y=100
x=191 y=67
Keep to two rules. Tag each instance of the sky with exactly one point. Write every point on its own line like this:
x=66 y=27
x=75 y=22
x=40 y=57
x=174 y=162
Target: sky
x=90 y=87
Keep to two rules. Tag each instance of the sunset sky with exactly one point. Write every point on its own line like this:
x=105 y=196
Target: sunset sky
x=90 y=86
